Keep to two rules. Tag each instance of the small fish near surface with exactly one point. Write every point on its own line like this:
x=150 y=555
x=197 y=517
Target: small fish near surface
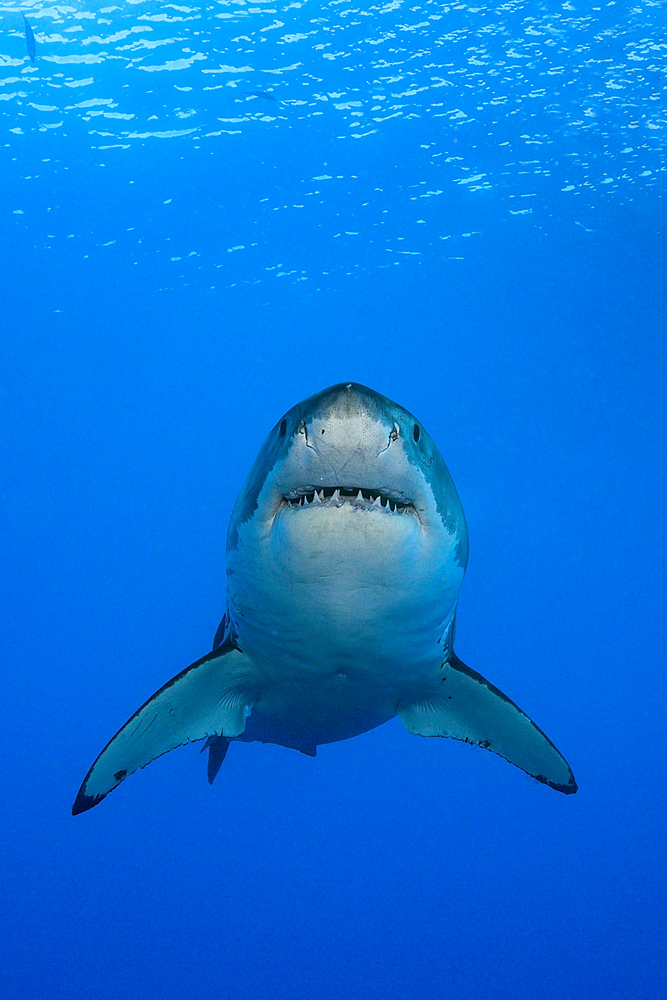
x=29 y=40
x=346 y=551
x=264 y=94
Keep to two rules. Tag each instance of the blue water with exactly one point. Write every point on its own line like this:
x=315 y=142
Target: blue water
x=464 y=208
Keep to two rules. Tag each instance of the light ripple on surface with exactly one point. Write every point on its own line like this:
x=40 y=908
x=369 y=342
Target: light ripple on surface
x=473 y=88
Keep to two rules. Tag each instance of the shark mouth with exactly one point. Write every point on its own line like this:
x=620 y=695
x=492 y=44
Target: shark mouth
x=336 y=496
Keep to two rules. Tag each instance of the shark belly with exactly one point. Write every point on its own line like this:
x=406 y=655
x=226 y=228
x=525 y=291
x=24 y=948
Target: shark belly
x=341 y=621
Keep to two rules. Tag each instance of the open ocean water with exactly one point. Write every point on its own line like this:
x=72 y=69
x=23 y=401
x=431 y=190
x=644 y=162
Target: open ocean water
x=207 y=214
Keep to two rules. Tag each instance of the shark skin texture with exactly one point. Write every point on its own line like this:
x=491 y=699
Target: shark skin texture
x=346 y=551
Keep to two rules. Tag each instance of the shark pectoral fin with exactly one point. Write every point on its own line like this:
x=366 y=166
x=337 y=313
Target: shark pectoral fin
x=208 y=698
x=466 y=707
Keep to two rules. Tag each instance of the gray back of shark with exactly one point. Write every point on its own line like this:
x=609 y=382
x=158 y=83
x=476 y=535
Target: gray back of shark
x=346 y=552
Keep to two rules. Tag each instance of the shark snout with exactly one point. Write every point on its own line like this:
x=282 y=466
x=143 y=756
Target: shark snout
x=348 y=400
x=349 y=427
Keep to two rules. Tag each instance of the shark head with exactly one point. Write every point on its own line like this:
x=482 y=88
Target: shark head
x=348 y=493
x=350 y=445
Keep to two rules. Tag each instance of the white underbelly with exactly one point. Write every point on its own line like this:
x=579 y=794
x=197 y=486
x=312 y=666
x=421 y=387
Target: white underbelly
x=338 y=666
x=341 y=623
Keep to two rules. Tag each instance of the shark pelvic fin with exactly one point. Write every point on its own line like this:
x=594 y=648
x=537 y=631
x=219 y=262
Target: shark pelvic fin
x=217 y=747
x=211 y=697
x=467 y=707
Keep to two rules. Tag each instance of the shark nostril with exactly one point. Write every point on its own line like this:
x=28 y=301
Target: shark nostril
x=283 y=428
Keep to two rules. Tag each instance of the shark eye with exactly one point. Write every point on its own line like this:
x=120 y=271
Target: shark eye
x=415 y=432
x=283 y=428
x=394 y=432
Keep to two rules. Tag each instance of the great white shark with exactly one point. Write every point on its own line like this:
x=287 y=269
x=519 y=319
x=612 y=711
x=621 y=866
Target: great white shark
x=346 y=552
